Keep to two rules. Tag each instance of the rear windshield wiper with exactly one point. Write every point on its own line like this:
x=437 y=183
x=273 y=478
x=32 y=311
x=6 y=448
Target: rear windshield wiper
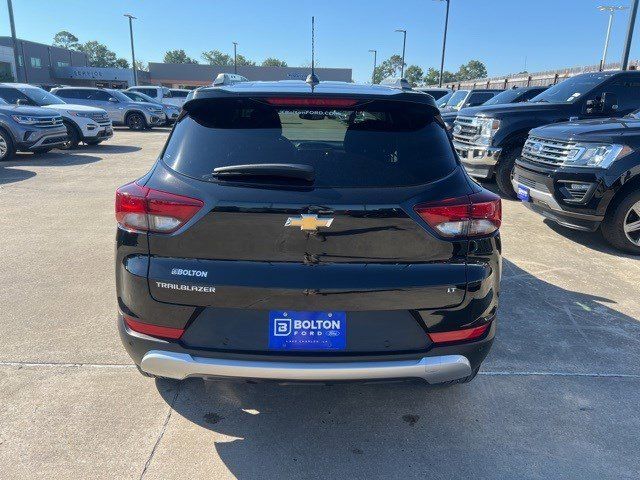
x=280 y=170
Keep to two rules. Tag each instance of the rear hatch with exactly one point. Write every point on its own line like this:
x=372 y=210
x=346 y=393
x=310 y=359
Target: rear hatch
x=308 y=207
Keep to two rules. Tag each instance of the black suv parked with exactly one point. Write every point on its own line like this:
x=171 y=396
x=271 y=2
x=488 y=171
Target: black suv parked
x=488 y=139
x=586 y=175
x=298 y=232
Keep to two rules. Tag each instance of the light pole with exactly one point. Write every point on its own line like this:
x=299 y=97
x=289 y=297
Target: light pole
x=235 y=57
x=14 y=40
x=133 y=53
x=444 y=41
x=612 y=10
x=404 y=44
x=627 y=42
x=375 y=58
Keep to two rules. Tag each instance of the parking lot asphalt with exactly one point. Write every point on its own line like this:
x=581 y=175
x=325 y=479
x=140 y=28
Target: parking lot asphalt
x=556 y=398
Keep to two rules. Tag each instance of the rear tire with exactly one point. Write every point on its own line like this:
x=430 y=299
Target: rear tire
x=136 y=121
x=504 y=171
x=74 y=137
x=621 y=225
x=7 y=148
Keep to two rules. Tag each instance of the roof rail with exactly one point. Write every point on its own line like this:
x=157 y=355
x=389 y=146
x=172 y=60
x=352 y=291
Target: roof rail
x=228 y=79
x=396 y=82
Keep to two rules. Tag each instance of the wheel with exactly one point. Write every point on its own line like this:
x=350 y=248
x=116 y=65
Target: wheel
x=504 y=171
x=74 y=137
x=460 y=380
x=93 y=142
x=136 y=121
x=39 y=151
x=621 y=225
x=7 y=149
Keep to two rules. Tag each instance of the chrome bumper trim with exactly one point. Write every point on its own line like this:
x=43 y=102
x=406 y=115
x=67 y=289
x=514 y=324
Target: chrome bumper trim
x=477 y=155
x=180 y=366
x=539 y=196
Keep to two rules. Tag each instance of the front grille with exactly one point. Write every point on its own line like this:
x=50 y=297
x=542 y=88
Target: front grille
x=49 y=122
x=546 y=152
x=464 y=131
x=48 y=141
x=529 y=182
x=99 y=117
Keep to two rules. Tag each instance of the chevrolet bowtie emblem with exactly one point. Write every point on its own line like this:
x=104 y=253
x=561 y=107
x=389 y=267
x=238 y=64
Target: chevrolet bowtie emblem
x=308 y=223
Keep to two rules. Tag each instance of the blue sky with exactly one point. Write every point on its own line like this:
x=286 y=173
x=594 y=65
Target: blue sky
x=501 y=33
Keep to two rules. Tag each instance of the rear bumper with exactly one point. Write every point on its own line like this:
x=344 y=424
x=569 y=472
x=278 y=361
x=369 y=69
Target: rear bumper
x=171 y=359
x=478 y=161
x=180 y=366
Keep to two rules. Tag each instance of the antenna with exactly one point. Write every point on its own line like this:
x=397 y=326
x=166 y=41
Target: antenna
x=312 y=79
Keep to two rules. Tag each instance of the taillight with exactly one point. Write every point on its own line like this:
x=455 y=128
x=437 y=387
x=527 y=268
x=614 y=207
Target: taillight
x=469 y=216
x=311 y=102
x=153 y=330
x=148 y=210
x=459 y=335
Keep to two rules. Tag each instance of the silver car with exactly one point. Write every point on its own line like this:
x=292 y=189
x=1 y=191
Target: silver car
x=121 y=109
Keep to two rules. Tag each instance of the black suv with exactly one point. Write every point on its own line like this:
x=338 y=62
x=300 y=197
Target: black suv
x=490 y=138
x=301 y=232
x=586 y=175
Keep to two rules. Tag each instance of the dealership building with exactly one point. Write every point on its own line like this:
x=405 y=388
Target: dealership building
x=43 y=64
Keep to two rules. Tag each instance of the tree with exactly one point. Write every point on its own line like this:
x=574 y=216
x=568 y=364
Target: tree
x=122 y=63
x=389 y=68
x=432 y=77
x=472 y=70
x=98 y=54
x=142 y=65
x=178 y=56
x=66 y=39
x=273 y=62
x=217 y=58
x=413 y=74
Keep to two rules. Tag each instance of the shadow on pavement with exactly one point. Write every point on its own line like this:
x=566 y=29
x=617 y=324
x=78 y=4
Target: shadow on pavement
x=11 y=175
x=505 y=424
x=106 y=148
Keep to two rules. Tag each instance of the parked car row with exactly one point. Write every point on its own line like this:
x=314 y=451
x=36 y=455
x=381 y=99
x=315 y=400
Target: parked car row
x=570 y=153
x=35 y=120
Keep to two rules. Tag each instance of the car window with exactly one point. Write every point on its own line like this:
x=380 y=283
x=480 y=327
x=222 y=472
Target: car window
x=478 y=98
x=179 y=94
x=529 y=94
x=380 y=144
x=73 y=93
x=100 y=96
x=12 y=95
x=457 y=99
x=572 y=89
x=627 y=91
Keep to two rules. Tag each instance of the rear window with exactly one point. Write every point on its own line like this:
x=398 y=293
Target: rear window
x=379 y=144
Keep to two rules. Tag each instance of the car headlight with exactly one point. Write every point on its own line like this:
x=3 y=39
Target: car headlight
x=595 y=154
x=487 y=130
x=154 y=109
x=25 y=119
x=82 y=114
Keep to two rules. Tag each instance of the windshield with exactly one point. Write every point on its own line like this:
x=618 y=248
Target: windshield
x=381 y=144
x=457 y=99
x=507 y=96
x=140 y=97
x=40 y=97
x=442 y=101
x=571 y=89
x=119 y=95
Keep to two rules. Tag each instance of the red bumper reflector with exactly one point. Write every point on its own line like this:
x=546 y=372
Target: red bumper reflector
x=153 y=330
x=459 y=335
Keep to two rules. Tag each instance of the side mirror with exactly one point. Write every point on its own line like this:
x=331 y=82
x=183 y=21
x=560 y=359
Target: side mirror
x=609 y=102
x=22 y=101
x=113 y=100
x=593 y=106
